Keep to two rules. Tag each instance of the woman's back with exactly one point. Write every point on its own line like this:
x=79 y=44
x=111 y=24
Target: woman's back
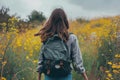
x=58 y=24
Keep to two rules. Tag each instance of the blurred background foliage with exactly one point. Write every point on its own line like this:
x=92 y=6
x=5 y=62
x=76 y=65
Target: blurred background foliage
x=19 y=49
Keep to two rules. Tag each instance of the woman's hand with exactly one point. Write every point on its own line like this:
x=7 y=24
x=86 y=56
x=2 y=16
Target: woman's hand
x=85 y=76
x=39 y=76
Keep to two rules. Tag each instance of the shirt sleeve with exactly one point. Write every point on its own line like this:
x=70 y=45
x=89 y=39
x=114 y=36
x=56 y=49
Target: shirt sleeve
x=76 y=55
x=39 y=67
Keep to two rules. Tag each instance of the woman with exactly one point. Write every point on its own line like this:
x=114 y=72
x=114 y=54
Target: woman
x=58 y=24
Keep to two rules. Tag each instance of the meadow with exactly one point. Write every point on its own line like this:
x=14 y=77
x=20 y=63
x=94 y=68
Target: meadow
x=19 y=50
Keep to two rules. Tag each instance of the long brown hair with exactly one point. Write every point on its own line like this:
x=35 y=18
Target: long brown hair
x=56 y=24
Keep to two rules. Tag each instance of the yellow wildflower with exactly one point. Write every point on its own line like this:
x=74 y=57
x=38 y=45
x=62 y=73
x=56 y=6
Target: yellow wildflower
x=35 y=61
x=109 y=75
x=27 y=57
x=114 y=66
x=115 y=71
x=116 y=56
x=0 y=58
x=107 y=79
x=3 y=78
x=119 y=56
x=107 y=71
x=31 y=54
x=110 y=63
x=25 y=48
x=2 y=52
x=118 y=66
x=3 y=63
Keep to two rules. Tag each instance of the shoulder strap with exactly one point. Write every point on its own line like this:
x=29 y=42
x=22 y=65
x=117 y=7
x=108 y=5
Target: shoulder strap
x=70 y=32
x=51 y=38
x=56 y=35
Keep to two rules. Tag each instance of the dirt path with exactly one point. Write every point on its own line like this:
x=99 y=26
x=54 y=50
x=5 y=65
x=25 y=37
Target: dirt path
x=92 y=73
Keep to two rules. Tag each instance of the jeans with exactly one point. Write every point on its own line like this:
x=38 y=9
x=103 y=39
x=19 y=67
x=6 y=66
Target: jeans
x=69 y=77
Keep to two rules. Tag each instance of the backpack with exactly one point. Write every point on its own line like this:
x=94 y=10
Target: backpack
x=56 y=57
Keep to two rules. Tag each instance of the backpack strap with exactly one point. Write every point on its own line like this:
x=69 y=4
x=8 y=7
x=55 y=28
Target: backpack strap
x=69 y=57
x=70 y=33
x=70 y=54
x=55 y=35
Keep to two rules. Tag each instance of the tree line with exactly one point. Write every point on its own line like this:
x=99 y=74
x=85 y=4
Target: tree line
x=8 y=22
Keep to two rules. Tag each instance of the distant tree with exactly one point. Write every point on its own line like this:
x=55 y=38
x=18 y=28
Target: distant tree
x=36 y=16
x=82 y=20
x=4 y=16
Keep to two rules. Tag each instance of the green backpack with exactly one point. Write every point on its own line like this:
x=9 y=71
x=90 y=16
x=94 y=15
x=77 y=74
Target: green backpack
x=56 y=57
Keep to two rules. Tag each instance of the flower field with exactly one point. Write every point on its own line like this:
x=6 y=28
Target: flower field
x=19 y=51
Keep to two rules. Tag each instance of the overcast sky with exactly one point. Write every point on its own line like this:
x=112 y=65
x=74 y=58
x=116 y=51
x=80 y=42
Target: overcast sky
x=73 y=8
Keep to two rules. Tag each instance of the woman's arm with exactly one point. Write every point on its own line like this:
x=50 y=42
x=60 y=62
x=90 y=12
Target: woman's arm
x=77 y=57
